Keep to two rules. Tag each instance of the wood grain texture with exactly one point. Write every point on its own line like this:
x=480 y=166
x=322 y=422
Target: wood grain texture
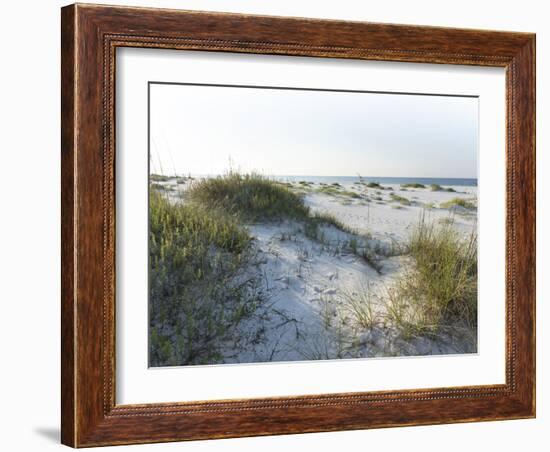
x=90 y=36
x=68 y=310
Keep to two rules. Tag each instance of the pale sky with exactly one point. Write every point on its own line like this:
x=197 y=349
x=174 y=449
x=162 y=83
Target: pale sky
x=200 y=129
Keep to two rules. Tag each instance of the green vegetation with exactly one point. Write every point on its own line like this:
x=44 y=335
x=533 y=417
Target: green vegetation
x=351 y=194
x=413 y=185
x=437 y=187
x=467 y=204
x=359 y=306
x=253 y=197
x=313 y=224
x=440 y=289
x=437 y=294
x=374 y=185
x=162 y=187
x=200 y=288
x=329 y=190
x=400 y=199
x=159 y=178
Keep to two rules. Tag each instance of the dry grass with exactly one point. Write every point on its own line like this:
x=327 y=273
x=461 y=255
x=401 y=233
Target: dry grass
x=440 y=288
x=359 y=306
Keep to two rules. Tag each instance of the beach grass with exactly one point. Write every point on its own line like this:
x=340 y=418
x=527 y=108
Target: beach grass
x=252 y=196
x=461 y=202
x=400 y=199
x=326 y=218
x=159 y=178
x=359 y=305
x=440 y=288
x=437 y=187
x=200 y=288
x=332 y=191
x=413 y=185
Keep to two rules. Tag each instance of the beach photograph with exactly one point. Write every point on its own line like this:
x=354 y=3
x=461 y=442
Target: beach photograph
x=295 y=224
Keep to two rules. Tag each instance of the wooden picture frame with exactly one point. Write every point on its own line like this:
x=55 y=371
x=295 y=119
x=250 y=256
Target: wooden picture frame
x=90 y=35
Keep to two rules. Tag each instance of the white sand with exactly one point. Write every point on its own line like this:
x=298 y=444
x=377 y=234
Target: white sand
x=385 y=221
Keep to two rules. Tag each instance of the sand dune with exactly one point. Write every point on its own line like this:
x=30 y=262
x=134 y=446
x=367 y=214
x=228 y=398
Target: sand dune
x=309 y=281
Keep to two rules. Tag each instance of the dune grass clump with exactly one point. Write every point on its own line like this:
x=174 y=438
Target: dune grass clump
x=461 y=202
x=156 y=186
x=252 y=196
x=437 y=187
x=413 y=185
x=359 y=306
x=374 y=185
x=162 y=187
x=328 y=190
x=400 y=199
x=201 y=289
x=440 y=289
x=351 y=194
x=332 y=191
x=159 y=178
x=313 y=222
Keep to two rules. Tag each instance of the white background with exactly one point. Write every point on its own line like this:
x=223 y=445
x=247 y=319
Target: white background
x=29 y=227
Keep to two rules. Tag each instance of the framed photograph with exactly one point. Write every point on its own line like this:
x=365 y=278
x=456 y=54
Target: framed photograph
x=280 y=225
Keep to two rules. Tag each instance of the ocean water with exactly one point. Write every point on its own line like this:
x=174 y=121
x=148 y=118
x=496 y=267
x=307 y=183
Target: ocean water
x=383 y=180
